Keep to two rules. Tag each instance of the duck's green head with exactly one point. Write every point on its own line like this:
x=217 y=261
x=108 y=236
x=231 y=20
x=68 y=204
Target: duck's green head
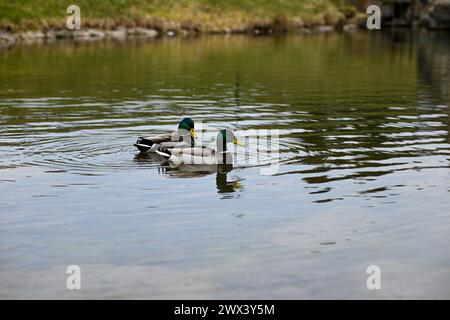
x=226 y=136
x=188 y=124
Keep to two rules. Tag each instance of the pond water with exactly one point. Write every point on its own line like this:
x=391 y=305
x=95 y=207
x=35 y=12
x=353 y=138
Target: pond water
x=363 y=177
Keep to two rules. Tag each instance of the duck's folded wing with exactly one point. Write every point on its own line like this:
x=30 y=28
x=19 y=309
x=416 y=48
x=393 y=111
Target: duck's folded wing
x=174 y=144
x=195 y=151
x=157 y=139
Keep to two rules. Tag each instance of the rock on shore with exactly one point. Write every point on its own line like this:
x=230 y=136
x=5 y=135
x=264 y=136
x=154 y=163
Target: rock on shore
x=9 y=38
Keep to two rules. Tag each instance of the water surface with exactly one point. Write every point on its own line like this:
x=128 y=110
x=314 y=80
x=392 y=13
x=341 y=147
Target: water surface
x=363 y=178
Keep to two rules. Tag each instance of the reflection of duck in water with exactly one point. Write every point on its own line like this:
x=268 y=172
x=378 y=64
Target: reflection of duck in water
x=223 y=183
x=225 y=186
x=202 y=155
x=187 y=171
x=151 y=158
x=184 y=137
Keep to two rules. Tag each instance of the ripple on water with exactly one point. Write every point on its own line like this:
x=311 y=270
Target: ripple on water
x=88 y=136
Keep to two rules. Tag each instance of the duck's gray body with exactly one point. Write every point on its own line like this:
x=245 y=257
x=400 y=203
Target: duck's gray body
x=202 y=155
x=169 y=141
x=196 y=156
x=183 y=137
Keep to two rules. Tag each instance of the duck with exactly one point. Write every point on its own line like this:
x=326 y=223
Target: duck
x=202 y=155
x=184 y=136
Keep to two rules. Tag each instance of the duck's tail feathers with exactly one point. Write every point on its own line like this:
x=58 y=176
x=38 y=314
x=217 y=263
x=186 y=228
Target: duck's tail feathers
x=143 y=144
x=164 y=152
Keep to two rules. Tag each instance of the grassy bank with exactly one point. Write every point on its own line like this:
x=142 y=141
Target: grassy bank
x=200 y=15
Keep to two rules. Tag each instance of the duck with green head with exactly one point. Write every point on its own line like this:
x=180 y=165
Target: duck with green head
x=183 y=137
x=203 y=155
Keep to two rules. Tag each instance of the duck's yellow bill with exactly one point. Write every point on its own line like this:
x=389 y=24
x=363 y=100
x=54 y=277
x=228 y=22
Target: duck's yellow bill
x=193 y=133
x=236 y=185
x=236 y=141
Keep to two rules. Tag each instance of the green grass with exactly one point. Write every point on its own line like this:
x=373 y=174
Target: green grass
x=207 y=14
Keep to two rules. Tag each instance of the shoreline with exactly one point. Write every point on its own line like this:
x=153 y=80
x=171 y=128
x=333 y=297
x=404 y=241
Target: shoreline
x=96 y=32
x=158 y=28
x=8 y=39
x=45 y=20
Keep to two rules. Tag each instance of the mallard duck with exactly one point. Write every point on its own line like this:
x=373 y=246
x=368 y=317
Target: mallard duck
x=202 y=155
x=184 y=136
